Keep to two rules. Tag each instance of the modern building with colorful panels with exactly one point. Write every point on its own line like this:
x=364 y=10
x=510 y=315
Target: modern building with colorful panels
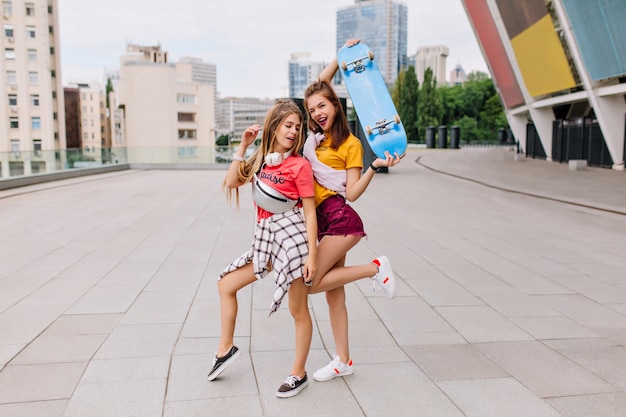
x=560 y=69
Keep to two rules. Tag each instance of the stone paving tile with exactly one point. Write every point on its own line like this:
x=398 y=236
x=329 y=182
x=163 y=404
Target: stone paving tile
x=224 y=406
x=401 y=389
x=443 y=292
x=479 y=324
x=454 y=362
x=499 y=397
x=543 y=328
x=511 y=302
x=600 y=405
x=26 y=383
x=57 y=349
x=54 y=408
x=114 y=399
x=544 y=371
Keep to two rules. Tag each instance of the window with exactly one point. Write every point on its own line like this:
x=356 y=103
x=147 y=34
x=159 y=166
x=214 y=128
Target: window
x=9 y=54
x=30 y=9
x=34 y=100
x=187 y=152
x=8 y=31
x=14 y=124
x=36 y=122
x=32 y=55
x=85 y=137
x=53 y=73
x=30 y=32
x=186 y=134
x=11 y=77
x=15 y=145
x=33 y=78
x=50 y=30
x=186 y=117
x=12 y=99
x=186 y=99
x=7 y=8
x=37 y=146
x=52 y=50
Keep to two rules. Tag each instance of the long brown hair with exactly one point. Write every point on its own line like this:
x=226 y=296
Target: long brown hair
x=275 y=117
x=339 y=130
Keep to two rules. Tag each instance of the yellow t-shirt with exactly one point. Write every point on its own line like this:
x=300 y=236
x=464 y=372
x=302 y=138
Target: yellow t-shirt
x=348 y=155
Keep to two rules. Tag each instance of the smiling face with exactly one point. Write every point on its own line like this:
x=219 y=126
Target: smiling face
x=321 y=111
x=287 y=133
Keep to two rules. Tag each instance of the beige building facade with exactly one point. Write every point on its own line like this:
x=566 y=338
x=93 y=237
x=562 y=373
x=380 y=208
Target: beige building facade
x=32 y=131
x=159 y=114
x=433 y=57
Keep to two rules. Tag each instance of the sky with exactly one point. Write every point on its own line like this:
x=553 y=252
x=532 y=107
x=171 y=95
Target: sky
x=249 y=41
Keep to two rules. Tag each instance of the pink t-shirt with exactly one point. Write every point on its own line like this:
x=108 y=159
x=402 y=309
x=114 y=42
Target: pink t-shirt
x=293 y=178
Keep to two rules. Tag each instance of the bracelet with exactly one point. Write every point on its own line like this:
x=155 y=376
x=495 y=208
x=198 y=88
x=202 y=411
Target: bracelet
x=238 y=158
x=374 y=168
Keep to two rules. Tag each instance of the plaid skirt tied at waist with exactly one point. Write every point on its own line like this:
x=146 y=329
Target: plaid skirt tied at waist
x=280 y=240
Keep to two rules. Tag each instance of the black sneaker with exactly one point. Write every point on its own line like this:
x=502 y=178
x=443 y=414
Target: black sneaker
x=219 y=364
x=292 y=386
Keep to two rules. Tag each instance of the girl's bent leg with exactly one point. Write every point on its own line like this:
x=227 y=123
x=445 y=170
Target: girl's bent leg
x=228 y=287
x=299 y=309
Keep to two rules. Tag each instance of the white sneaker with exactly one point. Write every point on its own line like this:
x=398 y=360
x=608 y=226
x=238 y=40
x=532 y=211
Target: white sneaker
x=334 y=369
x=384 y=279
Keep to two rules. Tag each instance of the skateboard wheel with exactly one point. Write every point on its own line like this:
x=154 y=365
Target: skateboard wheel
x=396 y=119
x=370 y=54
x=368 y=130
x=344 y=66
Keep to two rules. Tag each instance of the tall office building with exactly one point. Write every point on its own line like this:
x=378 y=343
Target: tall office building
x=433 y=57
x=302 y=72
x=560 y=71
x=382 y=25
x=32 y=130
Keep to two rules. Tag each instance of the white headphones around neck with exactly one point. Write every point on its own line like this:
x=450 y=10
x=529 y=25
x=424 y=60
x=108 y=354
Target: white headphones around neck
x=276 y=158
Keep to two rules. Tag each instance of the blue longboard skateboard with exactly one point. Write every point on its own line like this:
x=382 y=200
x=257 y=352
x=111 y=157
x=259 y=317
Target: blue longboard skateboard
x=373 y=104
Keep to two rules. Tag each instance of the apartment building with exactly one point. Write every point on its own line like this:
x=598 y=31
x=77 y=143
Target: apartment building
x=32 y=130
x=86 y=126
x=162 y=112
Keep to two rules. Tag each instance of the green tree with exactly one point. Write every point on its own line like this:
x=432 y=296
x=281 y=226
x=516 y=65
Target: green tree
x=492 y=116
x=430 y=105
x=222 y=140
x=406 y=98
x=109 y=89
x=468 y=129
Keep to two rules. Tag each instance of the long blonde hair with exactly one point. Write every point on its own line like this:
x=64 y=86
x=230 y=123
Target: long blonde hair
x=275 y=117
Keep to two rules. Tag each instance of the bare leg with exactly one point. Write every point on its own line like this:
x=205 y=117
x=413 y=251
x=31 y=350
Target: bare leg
x=228 y=287
x=299 y=308
x=331 y=274
x=331 y=255
x=338 y=312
